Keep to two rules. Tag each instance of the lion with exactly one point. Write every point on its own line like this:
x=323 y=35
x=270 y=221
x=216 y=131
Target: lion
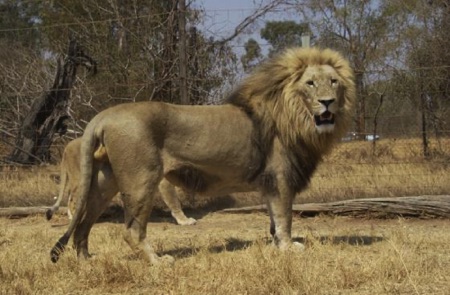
x=269 y=136
x=70 y=175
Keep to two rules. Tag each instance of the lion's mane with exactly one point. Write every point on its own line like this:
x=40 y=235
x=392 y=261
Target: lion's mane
x=269 y=97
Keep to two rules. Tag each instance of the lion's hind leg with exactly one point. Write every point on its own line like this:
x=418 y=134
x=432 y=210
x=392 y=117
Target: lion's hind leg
x=138 y=204
x=96 y=205
x=103 y=189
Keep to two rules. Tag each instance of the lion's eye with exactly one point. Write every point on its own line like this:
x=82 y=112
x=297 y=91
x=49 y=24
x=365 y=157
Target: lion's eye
x=334 y=81
x=310 y=83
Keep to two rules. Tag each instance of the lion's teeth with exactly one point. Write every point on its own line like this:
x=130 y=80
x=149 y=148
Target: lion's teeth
x=326 y=116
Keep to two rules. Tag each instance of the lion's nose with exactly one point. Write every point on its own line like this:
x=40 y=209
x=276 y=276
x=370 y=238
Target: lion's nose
x=326 y=102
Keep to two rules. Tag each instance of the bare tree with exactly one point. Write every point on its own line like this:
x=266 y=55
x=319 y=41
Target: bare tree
x=149 y=50
x=184 y=99
x=48 y=113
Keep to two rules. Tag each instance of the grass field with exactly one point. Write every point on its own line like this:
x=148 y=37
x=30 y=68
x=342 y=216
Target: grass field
x=351 y=171
x=231 y=253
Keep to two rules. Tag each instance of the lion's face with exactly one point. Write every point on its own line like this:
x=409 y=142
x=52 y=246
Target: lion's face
x=319 y=85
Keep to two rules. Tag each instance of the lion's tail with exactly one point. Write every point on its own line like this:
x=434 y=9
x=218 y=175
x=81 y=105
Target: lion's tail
x=86 y=168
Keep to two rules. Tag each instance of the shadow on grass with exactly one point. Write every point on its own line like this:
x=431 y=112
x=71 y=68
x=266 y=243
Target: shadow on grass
x=231 y=245
x=115 y=213
x=234 y=244
x=336 y=240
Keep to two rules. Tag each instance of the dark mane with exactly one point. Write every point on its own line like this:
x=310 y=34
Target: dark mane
x=261 y=140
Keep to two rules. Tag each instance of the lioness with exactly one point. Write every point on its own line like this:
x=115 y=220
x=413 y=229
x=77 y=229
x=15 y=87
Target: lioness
x=70 y=177
x=269 y=137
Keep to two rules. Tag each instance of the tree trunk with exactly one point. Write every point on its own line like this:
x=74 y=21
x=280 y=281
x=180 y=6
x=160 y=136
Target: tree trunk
x=423 y=109
x=193 y=62
x=361 y=107
x=375 y=124
x=48 y=113
x=184 y=99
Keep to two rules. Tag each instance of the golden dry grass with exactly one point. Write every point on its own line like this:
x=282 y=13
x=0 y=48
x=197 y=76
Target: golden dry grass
x=27 y=187
x=351 y=171
x=230 y=254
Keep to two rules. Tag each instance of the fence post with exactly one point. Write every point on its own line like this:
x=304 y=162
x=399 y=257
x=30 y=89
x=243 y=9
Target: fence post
x=306 y=39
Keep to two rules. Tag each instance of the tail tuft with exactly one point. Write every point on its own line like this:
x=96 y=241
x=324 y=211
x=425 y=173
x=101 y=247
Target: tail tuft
x=59 y=248
x=49 y=214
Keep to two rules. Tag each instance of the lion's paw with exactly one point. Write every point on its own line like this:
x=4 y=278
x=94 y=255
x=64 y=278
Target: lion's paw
x=167 y=260
x=297 y=246
x=293 y=246
x=187 y=221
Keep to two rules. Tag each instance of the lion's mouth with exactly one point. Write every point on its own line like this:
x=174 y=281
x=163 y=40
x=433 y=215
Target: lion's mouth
x=325 y=118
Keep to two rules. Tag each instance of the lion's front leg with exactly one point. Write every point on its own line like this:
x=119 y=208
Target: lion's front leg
x=170 y=197
x=279 y=205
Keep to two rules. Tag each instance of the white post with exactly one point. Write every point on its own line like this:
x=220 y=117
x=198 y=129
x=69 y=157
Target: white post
x=305 y=40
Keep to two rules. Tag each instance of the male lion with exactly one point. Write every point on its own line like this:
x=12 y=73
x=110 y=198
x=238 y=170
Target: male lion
x=269 y=137
x=70 y=176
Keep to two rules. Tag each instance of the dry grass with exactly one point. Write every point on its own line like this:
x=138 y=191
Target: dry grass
x=230 y=254
x=351 y=171
x=27 y=186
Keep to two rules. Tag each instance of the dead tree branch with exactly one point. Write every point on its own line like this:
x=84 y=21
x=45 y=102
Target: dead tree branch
x=48 y=113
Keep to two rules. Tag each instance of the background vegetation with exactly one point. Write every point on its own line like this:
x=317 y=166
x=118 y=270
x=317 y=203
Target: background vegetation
x=161 y=50
x=155 y=50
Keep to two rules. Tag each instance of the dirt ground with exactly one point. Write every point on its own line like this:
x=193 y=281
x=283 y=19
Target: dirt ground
x=225 y=236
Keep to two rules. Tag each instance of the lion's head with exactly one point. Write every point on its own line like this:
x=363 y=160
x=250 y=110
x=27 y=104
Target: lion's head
x=303 y=94
x=319 y=87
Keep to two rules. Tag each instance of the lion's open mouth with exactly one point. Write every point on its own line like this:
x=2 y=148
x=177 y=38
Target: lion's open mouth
x=325 y=118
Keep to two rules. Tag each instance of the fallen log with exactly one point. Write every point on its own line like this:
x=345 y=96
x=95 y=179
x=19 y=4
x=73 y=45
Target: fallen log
x=15 y=212
x=419 y=207
x=18 y=212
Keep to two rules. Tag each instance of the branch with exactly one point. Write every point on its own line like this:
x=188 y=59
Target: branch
x=7 y=133
x=22 y=150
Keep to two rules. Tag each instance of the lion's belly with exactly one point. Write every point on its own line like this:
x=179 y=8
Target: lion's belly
x=203 y=155
x=206 y=180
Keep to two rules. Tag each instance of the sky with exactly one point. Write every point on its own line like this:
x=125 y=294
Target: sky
x=222 y=16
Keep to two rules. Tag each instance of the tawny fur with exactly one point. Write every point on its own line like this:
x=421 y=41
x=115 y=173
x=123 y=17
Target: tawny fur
x=70 y=177
x=269 y=137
